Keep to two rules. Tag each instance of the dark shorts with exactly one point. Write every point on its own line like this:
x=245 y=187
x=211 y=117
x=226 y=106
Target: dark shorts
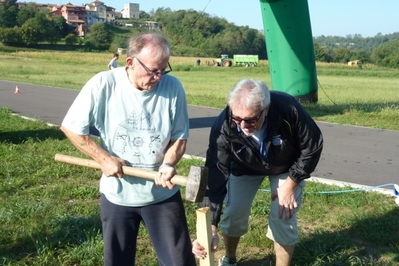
x=166 y=224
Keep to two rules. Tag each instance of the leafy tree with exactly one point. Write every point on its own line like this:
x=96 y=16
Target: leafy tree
x=8 y=14
x=144 y=15
x=362 y=55
x=232 y=42
x=71 y=39
x=100 y=36
x=29 y=11
x=323 y=54
x=319 y=52
x=394 y=61
x=253 y=42
x=40 y=28
x=51 y=32
x=387 y=54
x=10 y=36
x=342 y=55
x=30 y=32
x=208 y=36
x=121 y=41
x=61 y=25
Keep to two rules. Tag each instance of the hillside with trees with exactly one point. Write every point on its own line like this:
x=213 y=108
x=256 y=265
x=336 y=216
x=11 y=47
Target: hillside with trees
x=191 y=33
x=209 y=36
x=29 y=26
x=381 y=49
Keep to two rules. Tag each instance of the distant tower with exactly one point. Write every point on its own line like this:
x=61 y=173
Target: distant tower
x=131 y=11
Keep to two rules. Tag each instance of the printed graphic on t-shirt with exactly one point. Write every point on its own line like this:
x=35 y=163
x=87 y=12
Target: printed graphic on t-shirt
x=138 y=137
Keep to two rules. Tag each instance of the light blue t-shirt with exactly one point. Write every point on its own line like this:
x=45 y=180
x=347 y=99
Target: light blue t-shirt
x=113 y=64
x=134 y=125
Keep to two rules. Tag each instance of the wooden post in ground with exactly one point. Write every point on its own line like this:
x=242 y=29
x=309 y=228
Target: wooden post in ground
x=204 y=235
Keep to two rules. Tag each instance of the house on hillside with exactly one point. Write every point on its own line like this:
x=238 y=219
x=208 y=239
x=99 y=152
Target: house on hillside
x=74 y=13
x=111 y=14
x=131 y=11
x=92 y=17
x=56 y=10
x=152 y=25
x=81 y=17
x=99 y=8
x=74 y=16
x=100 y=12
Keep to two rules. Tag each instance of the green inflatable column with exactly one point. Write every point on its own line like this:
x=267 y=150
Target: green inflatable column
x=290 y=50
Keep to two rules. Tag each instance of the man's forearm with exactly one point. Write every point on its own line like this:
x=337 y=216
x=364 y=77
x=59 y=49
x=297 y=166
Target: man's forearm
x=175 y=152
x=86 y=145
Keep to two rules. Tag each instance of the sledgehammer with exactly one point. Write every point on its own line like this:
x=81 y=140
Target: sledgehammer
x=195 y=182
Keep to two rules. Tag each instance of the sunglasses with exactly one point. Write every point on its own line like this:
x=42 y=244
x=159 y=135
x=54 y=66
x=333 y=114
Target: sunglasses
x=251 y=120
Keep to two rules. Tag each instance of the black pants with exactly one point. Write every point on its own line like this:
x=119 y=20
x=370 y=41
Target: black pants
x=166 y=224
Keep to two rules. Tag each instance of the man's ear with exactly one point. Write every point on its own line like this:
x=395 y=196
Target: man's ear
x=129 y=61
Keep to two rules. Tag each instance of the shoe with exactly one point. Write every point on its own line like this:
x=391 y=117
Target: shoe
x=225 y=262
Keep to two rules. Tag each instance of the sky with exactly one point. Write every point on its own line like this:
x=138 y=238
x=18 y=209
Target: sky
x=327 y=17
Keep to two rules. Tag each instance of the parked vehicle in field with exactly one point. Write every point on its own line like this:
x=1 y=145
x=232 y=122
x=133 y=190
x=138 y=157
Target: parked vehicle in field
x=246 y=60
x=238 y=59
x=224 y=60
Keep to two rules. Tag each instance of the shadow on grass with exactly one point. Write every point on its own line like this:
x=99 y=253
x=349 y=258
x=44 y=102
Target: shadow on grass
x=317 y=110
x=18 y=137
x=70 y=231
x=367 y=240
x=371 y=241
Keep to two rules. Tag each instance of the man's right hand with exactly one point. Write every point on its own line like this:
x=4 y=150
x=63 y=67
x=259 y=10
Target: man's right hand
x=199 y=251
x=112 y=166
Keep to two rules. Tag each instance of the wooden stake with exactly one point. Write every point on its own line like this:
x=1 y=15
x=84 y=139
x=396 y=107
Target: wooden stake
x=204 y=235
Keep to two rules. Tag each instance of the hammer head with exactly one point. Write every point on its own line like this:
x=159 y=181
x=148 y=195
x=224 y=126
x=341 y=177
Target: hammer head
x=197 y=180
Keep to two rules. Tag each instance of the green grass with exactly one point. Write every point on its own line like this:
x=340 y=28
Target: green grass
x=49 y=212
x=353 y=96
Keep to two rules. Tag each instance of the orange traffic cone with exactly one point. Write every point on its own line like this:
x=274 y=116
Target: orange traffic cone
x=17 y=89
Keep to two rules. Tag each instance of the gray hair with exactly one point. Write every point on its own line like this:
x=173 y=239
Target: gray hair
x=250 y=94
x=137 y=43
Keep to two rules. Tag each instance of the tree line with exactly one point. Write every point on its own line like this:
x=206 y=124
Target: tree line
x=200 y=34
x=191 y=33
x=208 y=36
x=194 y=33
x=382 y=50
x=29 y=27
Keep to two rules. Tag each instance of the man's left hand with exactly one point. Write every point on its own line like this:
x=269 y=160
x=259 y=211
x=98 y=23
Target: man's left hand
x=164 y=175
x=286 y=199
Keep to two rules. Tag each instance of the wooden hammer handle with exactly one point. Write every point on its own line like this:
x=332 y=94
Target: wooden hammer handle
x=138 y=172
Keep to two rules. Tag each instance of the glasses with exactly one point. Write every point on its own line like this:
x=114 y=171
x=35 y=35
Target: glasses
x=251 y=120
x=154 y=73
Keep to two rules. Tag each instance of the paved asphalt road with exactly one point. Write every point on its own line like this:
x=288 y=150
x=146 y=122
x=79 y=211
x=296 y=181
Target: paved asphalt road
x=355 y=155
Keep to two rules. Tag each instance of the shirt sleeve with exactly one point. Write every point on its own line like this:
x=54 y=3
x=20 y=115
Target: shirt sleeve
x=310 y=145
x=178 y=106
x=81 y=113
x=218 y=162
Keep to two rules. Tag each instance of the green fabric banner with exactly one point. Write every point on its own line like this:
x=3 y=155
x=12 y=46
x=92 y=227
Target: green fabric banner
x=290 y=50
